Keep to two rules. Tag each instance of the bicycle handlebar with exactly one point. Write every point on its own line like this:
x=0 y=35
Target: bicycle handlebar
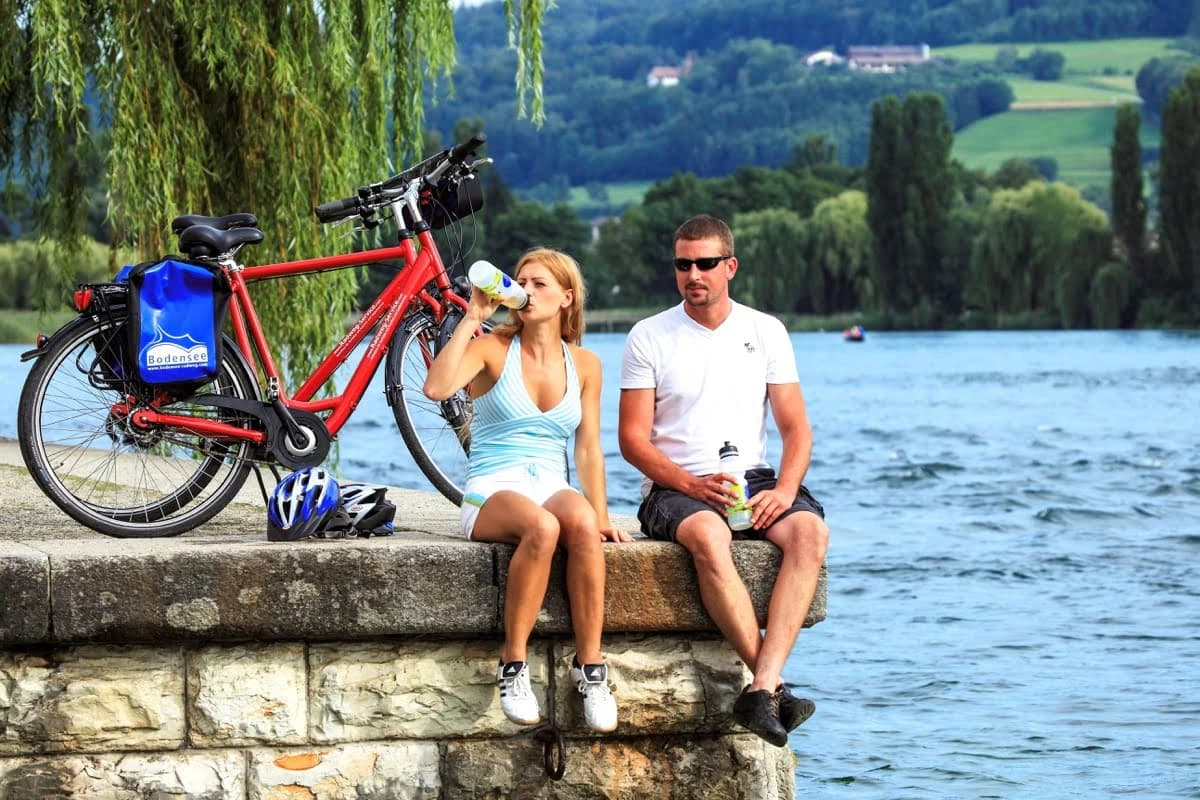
x=458 y=154
x=375 y=195
x=335 y=210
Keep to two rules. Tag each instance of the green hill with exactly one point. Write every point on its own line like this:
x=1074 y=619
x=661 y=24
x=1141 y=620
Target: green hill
x=1095 y=57
x=745 y=95
x=1078 y=139
x=1069 y=120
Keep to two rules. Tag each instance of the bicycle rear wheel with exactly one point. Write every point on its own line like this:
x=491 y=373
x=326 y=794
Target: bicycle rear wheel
x=103 y=471
x=438 y=434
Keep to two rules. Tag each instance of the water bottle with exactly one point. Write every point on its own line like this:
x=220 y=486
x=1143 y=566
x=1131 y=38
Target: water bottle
x=495 y=283
x=738 y=514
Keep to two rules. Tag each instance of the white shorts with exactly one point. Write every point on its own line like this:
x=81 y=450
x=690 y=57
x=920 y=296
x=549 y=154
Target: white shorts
x=538 y=485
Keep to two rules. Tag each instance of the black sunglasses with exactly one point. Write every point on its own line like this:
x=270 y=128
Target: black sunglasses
x=703 y=264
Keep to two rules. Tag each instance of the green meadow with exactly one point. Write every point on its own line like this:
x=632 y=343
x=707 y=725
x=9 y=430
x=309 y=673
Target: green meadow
x=617 y=197
x=1027 y=90
x=1119 y=56
x=1078 y=139
x=1097 y=76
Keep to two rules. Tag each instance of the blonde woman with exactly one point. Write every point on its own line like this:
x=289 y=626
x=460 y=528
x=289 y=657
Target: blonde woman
x=533 y=387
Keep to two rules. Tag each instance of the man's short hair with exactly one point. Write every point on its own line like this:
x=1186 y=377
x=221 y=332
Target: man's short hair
x=704 y=226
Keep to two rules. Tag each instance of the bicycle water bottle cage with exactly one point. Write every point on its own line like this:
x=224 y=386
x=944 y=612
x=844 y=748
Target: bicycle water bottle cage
x=201 y=241
x=241 y=219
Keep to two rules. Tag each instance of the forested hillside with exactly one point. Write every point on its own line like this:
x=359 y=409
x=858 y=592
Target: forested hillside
x=749 y=98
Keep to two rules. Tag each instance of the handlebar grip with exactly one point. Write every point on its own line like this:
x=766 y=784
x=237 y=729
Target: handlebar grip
x=337 y=209
x=459 y=152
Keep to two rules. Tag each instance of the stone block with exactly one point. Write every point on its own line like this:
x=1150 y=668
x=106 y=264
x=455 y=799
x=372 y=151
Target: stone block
x=412 y=690
x=663 y=685
x=376 y=771
x=651 y=586
x=240 y=588
x=25 y=611
x=91 y=699
x=725 y=768
x=248 y=694
x=202 y=776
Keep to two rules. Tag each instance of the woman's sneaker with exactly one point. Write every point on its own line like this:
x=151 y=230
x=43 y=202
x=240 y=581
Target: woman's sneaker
x=516 y=695
x=599 y=705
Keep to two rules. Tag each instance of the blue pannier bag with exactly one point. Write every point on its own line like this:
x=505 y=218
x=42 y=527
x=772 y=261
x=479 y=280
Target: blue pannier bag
x=176 y=315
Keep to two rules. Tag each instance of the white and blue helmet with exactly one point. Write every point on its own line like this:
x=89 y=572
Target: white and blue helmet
x=370 y=514
x=302 y=504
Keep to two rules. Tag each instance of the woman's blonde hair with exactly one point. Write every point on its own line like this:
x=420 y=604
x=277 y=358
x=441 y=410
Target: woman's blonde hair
x=566 y=271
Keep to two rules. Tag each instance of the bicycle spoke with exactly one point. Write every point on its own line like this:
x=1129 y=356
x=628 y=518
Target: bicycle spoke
x=119 y=478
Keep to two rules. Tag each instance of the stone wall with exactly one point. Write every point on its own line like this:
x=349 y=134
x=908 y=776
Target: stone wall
x=237 y=668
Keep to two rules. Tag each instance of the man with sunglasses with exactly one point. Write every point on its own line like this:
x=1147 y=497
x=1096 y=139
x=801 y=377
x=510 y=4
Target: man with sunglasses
x=692 y=378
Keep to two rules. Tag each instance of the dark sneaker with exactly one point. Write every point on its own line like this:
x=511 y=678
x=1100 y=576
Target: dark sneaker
x=793 y=710
x=758 y=712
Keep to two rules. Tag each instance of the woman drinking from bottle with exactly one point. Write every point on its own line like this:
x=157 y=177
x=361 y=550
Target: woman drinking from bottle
x=533 y=386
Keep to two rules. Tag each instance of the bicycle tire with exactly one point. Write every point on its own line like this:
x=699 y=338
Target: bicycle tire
x=437 y=434
x=104 y=473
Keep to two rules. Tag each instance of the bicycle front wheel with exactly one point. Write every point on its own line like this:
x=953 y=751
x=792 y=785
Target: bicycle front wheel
x=106 y=473
x=438 y=434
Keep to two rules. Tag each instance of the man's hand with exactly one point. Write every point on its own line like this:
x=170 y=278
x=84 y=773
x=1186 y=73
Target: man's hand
x=711 y=490
x=766 y=506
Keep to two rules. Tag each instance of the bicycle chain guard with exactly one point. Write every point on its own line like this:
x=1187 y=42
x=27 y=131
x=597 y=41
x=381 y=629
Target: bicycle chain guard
x=278 y=445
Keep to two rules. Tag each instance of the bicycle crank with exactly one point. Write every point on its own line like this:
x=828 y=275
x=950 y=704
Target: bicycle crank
x=301 y=441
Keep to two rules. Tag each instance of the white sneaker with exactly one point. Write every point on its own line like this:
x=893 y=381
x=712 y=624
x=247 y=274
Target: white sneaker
x=599 y=705
x=516 y=694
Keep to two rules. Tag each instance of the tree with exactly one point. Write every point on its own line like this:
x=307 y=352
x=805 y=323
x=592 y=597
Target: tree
x=772 y=272
x=840 y=247
x=220 y=106
x=1110 y=295
x=1015 y=173
x=1037 y=251
x=1128 y=198
x=1157 y=78
x=526 y=225
x=1046 y=65
x=1179 y=186
x=885 y=197
x=910 y=191
x=815 y=151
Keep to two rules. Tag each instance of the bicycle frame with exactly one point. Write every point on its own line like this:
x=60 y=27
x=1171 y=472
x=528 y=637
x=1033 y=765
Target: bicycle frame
x=422 y=266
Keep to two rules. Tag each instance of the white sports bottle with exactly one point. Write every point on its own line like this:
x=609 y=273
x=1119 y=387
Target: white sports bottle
x=738 y=514
x=492 y=281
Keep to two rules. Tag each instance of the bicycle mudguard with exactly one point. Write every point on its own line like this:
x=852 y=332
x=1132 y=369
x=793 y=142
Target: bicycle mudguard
x=94 y=300
x=44 y=344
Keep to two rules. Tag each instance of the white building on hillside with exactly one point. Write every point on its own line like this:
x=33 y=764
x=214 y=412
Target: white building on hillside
x=886 y=57
x=823 y=58
x=670 y=76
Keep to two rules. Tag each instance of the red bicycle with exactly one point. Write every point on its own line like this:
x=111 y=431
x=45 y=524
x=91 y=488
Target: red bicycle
x=132 y=460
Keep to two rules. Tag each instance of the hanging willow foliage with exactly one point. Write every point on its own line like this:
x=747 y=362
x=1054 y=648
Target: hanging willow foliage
x=218 y=106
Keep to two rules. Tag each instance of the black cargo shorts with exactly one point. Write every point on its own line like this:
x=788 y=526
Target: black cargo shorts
x=663 y=509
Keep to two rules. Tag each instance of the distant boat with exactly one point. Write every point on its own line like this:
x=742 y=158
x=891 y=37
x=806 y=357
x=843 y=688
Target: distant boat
x=855 y=333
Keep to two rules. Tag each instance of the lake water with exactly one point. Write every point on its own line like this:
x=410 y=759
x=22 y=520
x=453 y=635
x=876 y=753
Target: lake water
x=1014 y=570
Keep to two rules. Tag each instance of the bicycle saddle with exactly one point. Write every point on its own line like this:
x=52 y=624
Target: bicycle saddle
x=241 y=219
x=200 y=241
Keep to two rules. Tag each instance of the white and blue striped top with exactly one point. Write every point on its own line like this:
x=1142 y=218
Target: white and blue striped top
x=509 y=430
